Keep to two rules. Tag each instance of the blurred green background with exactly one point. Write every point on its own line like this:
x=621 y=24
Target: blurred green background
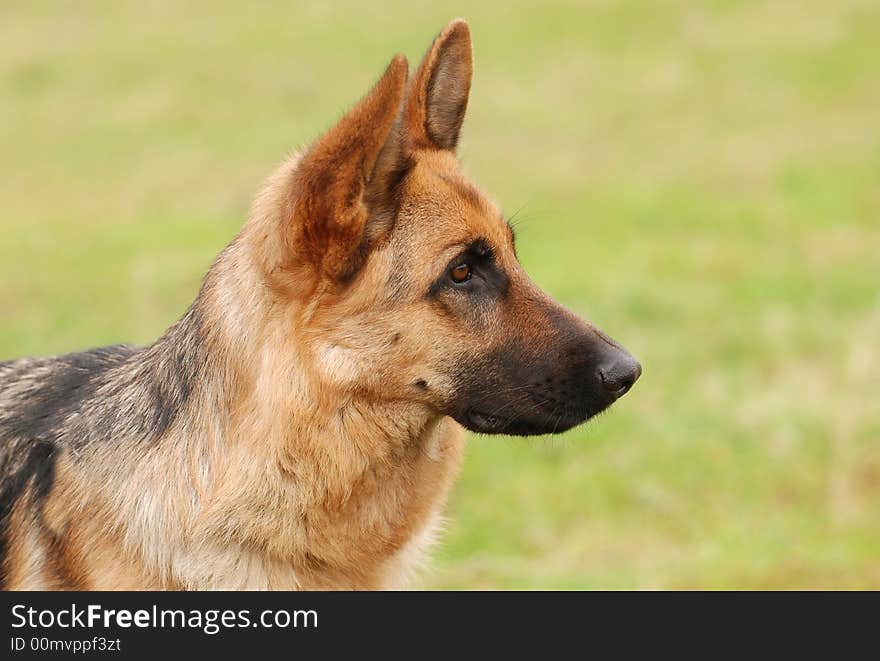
x=702 y=180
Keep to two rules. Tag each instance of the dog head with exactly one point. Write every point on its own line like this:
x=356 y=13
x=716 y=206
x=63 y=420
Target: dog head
x=402 y=278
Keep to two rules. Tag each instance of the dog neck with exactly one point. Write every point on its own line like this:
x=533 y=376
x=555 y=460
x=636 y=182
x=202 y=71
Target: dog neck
x=257 y=397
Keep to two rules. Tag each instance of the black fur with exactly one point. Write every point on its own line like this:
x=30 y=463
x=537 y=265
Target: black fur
x=36 y=469
x=529 y=387
x=51 y=405
x=69 y=381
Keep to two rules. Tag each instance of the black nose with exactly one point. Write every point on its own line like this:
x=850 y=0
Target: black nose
x=618 y=373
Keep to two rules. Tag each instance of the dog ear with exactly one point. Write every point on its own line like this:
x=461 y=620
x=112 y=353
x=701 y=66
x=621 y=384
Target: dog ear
x=332 y=178
x=437 y=96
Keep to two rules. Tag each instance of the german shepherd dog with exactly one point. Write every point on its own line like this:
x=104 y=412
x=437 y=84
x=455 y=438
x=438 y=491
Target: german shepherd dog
x=301 y=425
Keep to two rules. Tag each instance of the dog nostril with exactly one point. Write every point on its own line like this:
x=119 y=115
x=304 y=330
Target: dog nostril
x=618 y=377
x=614 y=386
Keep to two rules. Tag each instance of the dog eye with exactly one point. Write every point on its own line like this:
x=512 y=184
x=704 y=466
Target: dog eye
x=461 y=273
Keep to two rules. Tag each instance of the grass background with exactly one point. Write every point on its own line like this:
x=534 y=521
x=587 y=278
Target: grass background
x=702 y=180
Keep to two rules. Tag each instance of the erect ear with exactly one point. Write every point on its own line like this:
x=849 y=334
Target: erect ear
x=438 y=93
x=331 y=180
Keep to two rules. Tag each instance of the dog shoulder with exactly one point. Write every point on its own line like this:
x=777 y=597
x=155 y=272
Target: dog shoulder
x=37 y=398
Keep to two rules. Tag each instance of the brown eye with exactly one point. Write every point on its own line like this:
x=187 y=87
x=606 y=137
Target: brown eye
x=460 y=273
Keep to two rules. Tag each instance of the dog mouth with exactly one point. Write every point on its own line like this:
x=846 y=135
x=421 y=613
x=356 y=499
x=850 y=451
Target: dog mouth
x=482 y=422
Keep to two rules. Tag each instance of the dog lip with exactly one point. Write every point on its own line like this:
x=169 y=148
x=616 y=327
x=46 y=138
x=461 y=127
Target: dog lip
x=539 y=420
x=483 y=421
